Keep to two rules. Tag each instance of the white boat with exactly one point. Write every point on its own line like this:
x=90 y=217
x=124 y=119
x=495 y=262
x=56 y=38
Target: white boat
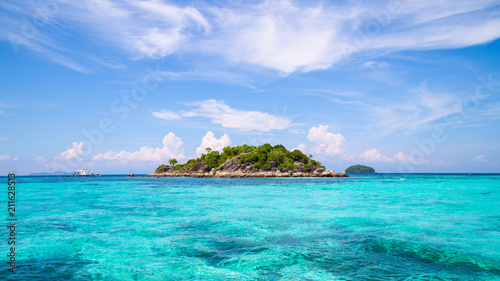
x=85 y=173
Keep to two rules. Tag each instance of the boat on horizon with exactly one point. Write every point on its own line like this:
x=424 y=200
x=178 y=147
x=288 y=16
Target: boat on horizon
x=85 y=173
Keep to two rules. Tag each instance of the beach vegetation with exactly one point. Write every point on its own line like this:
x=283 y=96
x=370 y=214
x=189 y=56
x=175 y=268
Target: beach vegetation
x=161 y=168
x=263 y=157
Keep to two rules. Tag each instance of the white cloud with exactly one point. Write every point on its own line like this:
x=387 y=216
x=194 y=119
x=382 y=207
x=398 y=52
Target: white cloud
x=68 y=159
x=166 y=115
x=374 y=64
x=4 y=157
x=74 y=152
x=220 y=113
x=302 y=147
x=40 y=159
x=324 y=142
x=285 y=35
x=210 y=141
x=172 y=148
x=401 y=157
x=290 y=36
x=374 y=156
x=278 y=35
x=3 y=138
x=482 y=159
x=140 y=28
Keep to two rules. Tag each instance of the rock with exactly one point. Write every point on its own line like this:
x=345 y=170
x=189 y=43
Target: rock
x=131 y=175
x=196 y=167
x=300 y=164
x=328 y=173
x=319 y=171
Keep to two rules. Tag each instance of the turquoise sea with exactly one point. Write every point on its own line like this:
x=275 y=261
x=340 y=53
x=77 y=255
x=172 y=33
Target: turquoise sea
x=365 y=227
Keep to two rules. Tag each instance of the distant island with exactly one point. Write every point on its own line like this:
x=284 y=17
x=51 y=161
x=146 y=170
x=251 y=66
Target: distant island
x=246 y=161
x=359 y=169
x=56 y=173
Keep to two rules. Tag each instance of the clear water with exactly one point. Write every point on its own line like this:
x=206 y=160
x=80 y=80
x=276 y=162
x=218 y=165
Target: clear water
x=366 y=227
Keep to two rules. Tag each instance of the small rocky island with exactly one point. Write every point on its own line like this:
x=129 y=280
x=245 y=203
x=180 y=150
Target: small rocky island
x=247 y=161
x=359 y=169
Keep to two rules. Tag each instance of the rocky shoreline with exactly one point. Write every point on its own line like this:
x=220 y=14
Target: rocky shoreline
x=232 y=170
x=261 y=174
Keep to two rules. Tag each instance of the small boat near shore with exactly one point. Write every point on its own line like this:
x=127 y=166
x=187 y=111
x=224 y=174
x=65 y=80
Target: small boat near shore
x=85 y=173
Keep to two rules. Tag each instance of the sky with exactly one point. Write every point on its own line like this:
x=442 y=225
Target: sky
x=123 y=86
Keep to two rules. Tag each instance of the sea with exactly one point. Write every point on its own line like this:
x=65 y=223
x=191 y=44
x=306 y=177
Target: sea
x=364 y=227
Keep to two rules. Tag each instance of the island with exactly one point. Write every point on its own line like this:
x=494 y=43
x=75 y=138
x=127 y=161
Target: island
x=56 y=173
x=360 y=169
x=247 y=161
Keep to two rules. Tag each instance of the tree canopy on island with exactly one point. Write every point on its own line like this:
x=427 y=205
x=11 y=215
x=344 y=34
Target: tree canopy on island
x=359 y=169
x=172 y=162
x=262 y=157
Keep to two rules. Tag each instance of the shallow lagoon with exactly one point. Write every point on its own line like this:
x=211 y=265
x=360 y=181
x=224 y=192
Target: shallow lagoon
x=365 y=227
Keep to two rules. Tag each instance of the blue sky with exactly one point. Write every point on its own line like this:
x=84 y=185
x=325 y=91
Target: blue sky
x=122 y=86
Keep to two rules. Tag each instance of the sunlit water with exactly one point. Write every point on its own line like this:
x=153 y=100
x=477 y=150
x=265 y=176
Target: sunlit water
x=365 y=227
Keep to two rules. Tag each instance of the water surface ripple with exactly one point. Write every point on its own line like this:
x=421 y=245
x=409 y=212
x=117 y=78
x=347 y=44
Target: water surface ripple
x=365 y=227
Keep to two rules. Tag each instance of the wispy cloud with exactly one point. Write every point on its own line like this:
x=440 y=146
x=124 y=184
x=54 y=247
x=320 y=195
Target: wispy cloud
x=491 y=111
x=36 y=26
x=482 y=159
x=415 y=109
x=42 y=104
x=374 y=64
x=166 y=115
x=40 y=159
x=111 y=63
x=285 y=36
x=4 y=157
x=416 y=113
x=220 y=113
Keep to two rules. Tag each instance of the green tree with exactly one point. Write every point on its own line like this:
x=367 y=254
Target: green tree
x=172 y=162
x=212 y=160
x=297 y=155
x=161 y=168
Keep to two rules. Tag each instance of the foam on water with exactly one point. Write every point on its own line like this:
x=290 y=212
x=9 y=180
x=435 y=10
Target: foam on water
x=368 y=227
